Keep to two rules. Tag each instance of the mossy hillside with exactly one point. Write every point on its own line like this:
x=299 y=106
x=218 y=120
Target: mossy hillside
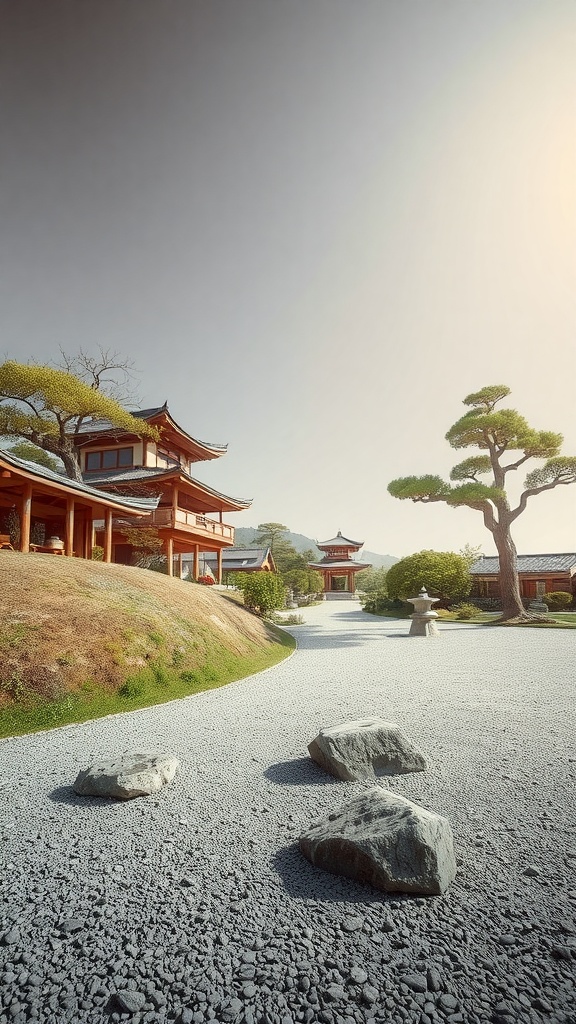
x=81 y=639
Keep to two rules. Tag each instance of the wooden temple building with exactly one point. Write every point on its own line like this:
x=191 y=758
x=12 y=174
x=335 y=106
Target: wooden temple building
x=338 y=567
x=537 y=575
x=189 y=516
x=45 y=512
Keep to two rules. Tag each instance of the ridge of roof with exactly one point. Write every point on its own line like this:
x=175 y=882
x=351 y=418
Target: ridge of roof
x=100 y=426
x=340 y=541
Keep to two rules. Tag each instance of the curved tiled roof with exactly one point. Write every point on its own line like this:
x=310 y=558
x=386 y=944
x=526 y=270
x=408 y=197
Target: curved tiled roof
x=489 y=565
x=91 y=427
x=339 y=542
x=345 y=563
x=144 y=473
x=49 y=476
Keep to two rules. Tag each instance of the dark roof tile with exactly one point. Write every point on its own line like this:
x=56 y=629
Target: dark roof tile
x=488 y=565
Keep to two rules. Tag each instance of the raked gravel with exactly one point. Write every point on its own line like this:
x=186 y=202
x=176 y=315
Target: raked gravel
x=197 y=905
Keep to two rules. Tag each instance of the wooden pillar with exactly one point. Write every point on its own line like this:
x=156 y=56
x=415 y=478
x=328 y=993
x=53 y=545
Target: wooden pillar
x=88 y=534
x=174 y=505
x=219 y=566
x=196 y=562
x=170 y=555
x=107 y=556
x=25 y=518
x=179 y=564
x=69 y=528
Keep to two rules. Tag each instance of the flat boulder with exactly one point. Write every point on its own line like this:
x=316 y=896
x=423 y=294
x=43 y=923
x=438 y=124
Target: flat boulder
x=364 y=749
x=128 y=776
x=382 y=839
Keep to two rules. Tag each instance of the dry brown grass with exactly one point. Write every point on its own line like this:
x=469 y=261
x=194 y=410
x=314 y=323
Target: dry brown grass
x=66 y=620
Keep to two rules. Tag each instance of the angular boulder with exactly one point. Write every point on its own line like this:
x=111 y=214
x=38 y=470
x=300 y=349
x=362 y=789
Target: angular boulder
x=364 y=749
x=384 y=840
x=128 y=776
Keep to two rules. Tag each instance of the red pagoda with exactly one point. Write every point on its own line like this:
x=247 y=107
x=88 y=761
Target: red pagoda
x=338 y=567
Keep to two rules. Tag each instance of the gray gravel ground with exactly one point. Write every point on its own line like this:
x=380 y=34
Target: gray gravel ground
x=197 y=905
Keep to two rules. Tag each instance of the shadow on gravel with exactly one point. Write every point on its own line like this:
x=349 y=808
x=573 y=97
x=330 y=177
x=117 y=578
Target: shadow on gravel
x=310 y=641
x=303 y=881
x=302 y=771
x=66 y=795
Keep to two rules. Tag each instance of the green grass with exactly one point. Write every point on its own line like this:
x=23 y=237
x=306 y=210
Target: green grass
x=157 y=683
x=562 y=620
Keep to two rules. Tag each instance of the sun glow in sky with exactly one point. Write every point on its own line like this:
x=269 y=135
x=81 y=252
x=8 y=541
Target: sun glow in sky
x=314 y=227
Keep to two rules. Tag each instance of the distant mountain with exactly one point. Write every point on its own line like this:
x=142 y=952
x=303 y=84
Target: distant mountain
x=245 y=537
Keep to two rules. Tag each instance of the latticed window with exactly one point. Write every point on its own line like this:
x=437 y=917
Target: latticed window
x=110 y=458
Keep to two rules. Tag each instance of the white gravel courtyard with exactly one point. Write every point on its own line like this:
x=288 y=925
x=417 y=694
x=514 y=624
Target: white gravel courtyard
x=198 y=901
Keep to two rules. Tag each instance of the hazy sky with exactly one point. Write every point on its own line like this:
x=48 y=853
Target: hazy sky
x=315 y=226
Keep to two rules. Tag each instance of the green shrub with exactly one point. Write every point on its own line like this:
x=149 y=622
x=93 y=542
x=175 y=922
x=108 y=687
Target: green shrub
x=97 y=553
x=465 y=610
x=263 y=592
x=557 y=600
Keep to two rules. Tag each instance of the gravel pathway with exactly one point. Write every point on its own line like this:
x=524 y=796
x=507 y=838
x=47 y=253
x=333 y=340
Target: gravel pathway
x=198 y=906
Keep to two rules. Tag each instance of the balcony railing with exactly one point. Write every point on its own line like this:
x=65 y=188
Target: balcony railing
x=181 y=519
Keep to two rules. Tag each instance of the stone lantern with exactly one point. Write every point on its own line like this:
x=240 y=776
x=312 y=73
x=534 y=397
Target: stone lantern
x=423 y=623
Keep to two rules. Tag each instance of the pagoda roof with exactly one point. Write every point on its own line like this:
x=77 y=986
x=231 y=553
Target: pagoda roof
x=210 y=499
x=171 y=433
x=343 y=563
x=340 y=542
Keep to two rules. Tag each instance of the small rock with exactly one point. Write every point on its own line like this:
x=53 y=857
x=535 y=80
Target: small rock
x=130 y=1002
x=448 y=1002
x=370 y=994
x=358 y=975
x=129 y=776
x=335 y=992
x=70 y=925
x=507 y=940
x=365 y=748
x=561 y=952
x=385 y=840
x=11 y=938
x=531 y=871
x=351 y=924
x=434 y=979
x=416 y=982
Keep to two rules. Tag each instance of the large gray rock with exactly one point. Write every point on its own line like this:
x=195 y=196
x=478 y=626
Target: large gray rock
x=384 y=840
x=130 y=775
x=365 y=748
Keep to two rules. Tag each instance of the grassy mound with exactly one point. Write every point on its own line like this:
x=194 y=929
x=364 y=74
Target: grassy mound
x=80 y=639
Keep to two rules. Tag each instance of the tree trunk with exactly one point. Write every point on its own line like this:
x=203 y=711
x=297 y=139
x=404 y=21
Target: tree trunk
x=71 y=465
x=512 y=607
